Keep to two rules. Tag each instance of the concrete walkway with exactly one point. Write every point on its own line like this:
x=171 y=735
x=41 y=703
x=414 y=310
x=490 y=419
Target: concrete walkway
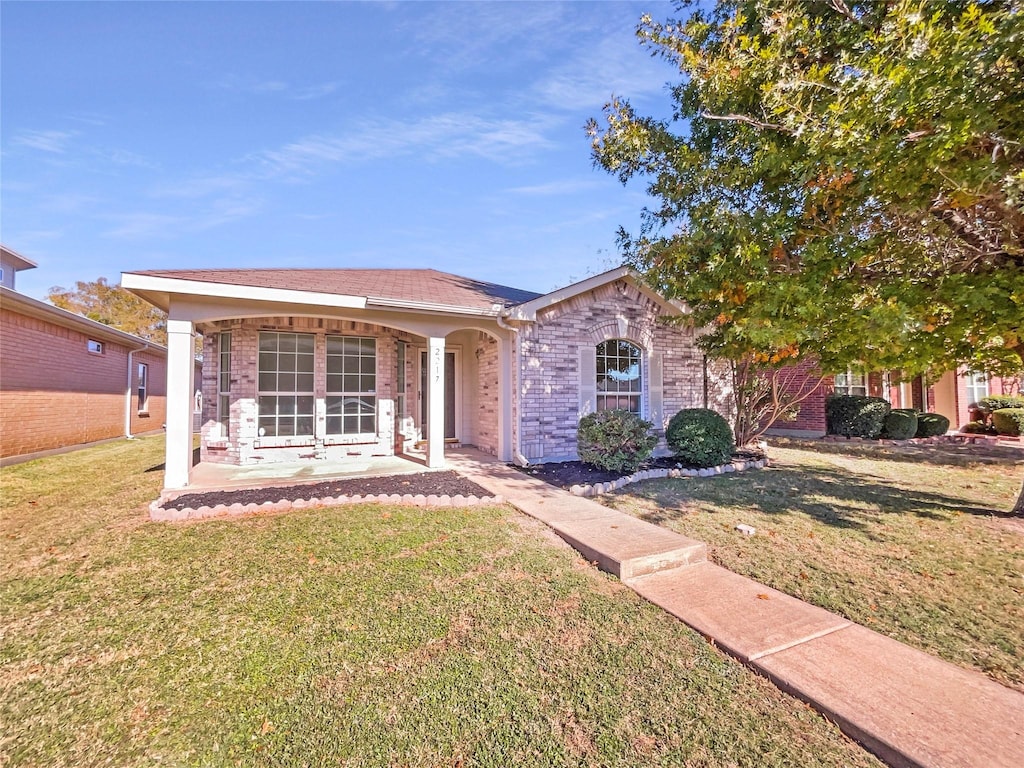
x=904 y=705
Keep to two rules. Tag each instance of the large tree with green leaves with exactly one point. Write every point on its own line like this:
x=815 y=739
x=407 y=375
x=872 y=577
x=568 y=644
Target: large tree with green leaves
x=114 y=306
x=839 y=178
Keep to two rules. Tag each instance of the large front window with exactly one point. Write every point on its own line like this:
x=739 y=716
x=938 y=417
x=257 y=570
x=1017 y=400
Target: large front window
x=286 y=393
x=619 y=378
x=351 y=385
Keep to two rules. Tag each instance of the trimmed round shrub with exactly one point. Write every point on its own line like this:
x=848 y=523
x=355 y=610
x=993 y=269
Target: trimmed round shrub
x=900 y=424
x=993 y=403
x=700 y=437
x=931 y=424
x=616 y=440
x=977 y=428
x=1008 y=421
x=855 y=415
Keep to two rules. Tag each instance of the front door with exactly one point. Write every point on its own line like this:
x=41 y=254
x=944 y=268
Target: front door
x=451 y=386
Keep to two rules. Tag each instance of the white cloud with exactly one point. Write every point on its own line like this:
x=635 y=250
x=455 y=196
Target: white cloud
x=617 y=65
x=283 y=88
x=445 y=135
x=555 y=188
x=45 y=141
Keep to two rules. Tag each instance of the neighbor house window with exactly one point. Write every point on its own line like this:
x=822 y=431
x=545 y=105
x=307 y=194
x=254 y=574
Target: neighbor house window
x=224 y=383
x=619 y=379
x=351 y=385
x=143 y=388
x=977 y=387
x=96 y=347
x=851 y=383
x=286 y=384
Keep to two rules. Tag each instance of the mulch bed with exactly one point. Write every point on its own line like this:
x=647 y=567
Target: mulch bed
x=566 y=474
x=425 y=483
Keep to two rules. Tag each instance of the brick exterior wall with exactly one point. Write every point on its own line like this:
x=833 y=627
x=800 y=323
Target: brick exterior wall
x=549 y=354
x=243 y=444
x=810 y=420
x=55 y=393
x=486 y=353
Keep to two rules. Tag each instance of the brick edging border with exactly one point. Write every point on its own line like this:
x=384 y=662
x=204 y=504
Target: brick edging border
x=158 y=513
x=597 y=489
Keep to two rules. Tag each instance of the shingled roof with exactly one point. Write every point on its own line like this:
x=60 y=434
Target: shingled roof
x=412 y=285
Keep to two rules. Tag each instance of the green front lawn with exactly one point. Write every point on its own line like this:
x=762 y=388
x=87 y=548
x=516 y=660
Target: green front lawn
x=358 y=635
x=914 y=544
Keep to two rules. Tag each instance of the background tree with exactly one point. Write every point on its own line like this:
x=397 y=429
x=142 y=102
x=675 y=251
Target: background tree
x=839 y=178
x=114 y=306
x=843 y=179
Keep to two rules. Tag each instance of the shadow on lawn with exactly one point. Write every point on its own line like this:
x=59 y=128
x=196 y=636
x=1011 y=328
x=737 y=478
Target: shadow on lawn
x=939 y=454
x=161 y=467
x=833 y=496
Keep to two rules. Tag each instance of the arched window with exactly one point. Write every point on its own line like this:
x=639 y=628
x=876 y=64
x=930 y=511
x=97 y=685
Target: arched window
x=619 y=377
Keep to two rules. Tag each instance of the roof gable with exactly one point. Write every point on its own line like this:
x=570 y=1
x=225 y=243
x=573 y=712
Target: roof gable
x=527 y=311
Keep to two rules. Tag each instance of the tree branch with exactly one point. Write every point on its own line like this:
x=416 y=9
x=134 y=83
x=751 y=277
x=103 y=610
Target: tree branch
x=748 y=120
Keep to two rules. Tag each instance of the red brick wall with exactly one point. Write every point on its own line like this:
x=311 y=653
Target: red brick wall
x=55 y=393
x=811 y=417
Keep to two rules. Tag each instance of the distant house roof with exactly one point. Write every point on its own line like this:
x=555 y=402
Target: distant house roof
x=26 y=305
x=16 y=260
x=380 y=286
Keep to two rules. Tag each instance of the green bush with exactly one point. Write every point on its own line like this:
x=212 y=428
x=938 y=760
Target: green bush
x=1008 y=421
x=931 y=424
x=900 y=424
x=977 y=428
x=855 y=415
x=994 y=402
x=700 y=437
x=616 y=440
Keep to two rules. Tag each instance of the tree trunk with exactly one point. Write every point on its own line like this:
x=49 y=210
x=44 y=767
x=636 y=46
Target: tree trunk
x=1018 y=508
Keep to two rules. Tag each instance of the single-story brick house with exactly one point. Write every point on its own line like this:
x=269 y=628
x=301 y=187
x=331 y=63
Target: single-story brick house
x=309 y=364
x=66 y=380
x=953 y=395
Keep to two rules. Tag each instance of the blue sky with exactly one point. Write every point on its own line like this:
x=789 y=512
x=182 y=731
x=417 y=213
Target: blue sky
x=222 y=134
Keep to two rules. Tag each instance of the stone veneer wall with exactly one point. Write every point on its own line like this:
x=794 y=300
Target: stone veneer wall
x=549 y=364
x=487 y=394
x=242 y=443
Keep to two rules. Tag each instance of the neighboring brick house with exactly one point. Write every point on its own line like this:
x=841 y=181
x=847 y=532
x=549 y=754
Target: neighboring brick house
x=67 y=380
x=952 y=395
x=337 y=363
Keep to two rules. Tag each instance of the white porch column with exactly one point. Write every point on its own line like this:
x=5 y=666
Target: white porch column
x=180 y=389
x=435 y=401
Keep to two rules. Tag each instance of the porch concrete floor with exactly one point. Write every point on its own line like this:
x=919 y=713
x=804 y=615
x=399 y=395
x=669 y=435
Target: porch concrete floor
x=218 y=477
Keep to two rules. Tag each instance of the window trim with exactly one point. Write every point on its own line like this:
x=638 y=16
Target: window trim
x=972 y=384
x=142 y=388
x=276 y=440
x=344 y=394
x=224 y=340
x=847 y=388
x=637 y=391
x=94 y=347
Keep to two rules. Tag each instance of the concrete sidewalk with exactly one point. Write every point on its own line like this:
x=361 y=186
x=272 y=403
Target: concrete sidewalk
x=906 y=706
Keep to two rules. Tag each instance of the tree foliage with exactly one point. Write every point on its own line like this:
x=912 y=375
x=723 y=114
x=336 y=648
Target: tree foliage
x=114 y=306
x=840 y=178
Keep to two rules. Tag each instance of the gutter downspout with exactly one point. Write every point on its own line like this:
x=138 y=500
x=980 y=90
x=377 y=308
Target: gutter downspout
x=517 y=454
x=128 y=393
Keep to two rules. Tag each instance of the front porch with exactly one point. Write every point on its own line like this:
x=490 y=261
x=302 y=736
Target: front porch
x=208 y=476
x=285 y=399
